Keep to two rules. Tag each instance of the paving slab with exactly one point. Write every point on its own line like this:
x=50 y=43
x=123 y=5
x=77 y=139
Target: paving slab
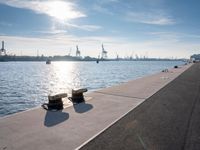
x=168 y=120
x=67 y=129
x=145 y=87
x=76 y=125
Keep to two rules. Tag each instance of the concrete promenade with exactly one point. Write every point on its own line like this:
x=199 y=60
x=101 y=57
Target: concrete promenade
x=168 y=120
x=151 y=125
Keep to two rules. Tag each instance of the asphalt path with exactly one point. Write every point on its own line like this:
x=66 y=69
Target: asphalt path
x=168 y=120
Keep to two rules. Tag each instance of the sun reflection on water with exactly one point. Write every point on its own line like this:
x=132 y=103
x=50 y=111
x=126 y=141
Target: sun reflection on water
x=64 y=77
x=26 y=85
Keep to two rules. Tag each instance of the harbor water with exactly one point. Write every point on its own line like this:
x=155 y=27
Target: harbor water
x=24 y=85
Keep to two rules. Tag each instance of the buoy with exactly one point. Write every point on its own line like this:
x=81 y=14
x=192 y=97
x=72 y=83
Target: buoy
x=48 y=61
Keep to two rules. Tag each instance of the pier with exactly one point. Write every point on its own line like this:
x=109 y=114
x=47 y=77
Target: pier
x=159 y=111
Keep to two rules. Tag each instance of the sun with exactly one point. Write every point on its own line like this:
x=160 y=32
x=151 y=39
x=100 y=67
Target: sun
x=61 y=10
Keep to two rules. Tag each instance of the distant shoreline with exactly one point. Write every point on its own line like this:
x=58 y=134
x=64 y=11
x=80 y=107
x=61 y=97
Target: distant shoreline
x=8 y=58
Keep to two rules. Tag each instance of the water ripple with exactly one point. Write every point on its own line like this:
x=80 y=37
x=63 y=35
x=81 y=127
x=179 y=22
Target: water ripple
x=26 y=84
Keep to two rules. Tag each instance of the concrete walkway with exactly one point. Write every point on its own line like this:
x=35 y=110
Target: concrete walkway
x=168 y=120
x=76 y=125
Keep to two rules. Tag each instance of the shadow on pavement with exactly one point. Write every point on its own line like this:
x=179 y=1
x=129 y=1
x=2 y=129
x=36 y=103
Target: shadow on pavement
x=82 y=107
x=54 y=118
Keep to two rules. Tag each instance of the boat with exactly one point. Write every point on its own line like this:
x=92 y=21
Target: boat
x=48 y=61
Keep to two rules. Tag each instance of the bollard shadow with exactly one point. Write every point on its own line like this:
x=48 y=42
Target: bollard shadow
x=82 y=107
x=55 y=118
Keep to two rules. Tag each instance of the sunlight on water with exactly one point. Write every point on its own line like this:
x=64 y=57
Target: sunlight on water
x=25 y=85
x=61 y=77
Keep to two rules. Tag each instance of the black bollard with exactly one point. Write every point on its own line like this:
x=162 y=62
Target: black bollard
x=175 y=66
x=77 y=95
x=55 y=102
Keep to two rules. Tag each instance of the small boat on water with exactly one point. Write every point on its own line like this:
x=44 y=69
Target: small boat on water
x=48 y=61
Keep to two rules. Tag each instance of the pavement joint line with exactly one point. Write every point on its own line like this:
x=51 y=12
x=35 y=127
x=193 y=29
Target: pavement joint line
x=117 y=118
x=142 y=98
x=143 y=144
x=190 y=118
x=187 y=82
x=100 y=132
x=19 y=112
x=104 y=129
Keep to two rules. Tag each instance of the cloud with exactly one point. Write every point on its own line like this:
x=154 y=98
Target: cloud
x=151 y=17
x=167 y=36
x=84 y=27
x=174 y=37
x=101 y=9
x=59 y=9
x=60 y=44
x=104 y=6
x=56 y=44
x=52 y=31
x=138 y=11
x=2 y=23
x=58 y=27
x=63 y=11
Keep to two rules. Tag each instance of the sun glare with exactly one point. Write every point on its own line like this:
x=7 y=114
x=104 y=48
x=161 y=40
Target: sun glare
x=63 y=75
x=63 y=11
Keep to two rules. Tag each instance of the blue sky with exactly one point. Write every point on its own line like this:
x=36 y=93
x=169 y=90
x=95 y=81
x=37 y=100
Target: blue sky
x=154 y=28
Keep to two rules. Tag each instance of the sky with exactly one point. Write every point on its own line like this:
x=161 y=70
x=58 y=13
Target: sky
x=150 y=28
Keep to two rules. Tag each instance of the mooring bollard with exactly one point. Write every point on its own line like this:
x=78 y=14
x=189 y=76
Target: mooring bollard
x=55 y=102
x=165 y=70
x=77 y=95
x=175 y=66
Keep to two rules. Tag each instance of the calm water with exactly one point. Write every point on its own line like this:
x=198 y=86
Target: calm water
x=24 y=85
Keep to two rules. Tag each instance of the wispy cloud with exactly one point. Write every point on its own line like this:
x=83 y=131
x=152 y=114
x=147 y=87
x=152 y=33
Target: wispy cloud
x=104 y=6
x=138 y=11
x=56 y=44
x=60 y=44
x=101 y=9
x=64 y=27
x=167 y=36
x=52 y=31
x=2 y=23
x=84 y=27
x=59 y=9
x=151 y=17
x=174 y=36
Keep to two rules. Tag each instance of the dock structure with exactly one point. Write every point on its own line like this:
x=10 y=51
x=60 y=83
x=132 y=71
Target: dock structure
x=159 y=111
x=168 y=120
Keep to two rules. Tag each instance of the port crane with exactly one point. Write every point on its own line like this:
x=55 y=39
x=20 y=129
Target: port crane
x=3 y=50
x=78 y=53
x=103 y=53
